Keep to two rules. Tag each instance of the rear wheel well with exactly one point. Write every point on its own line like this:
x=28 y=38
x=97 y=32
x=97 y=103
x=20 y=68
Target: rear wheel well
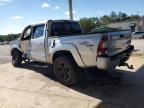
x=62 y=53
x=15 y=49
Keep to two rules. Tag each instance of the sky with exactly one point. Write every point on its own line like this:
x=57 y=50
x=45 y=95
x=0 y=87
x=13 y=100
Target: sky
x=16 y=14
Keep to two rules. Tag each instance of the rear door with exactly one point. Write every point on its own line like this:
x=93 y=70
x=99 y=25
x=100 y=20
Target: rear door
x=38 y=43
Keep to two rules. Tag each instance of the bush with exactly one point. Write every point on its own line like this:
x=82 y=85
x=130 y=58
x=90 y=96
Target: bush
x=9 y=37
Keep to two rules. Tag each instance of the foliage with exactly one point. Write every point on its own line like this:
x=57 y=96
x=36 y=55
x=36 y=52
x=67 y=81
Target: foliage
x=122 y=16
x=87 y=24
x=9 y=37
x=95 y=22
x=105 y=20
x=113 y=16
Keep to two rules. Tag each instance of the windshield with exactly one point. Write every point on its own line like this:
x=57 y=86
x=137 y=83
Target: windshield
x=66 y=28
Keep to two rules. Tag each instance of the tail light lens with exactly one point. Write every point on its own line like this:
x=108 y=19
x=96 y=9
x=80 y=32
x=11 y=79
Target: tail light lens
x=103 y=46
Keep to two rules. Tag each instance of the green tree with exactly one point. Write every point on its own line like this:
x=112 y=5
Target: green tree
x=96 y=21
x=119 y=16
x=124 y=16
x=135 y=16
x=105 y=20
x=1 y=39
x=87 y=24
x=9 y=37
x=113 y=16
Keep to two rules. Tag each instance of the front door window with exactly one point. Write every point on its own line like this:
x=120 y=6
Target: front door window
x=27 y=33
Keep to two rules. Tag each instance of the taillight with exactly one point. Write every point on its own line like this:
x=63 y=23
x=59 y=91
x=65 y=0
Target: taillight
x=103 y=46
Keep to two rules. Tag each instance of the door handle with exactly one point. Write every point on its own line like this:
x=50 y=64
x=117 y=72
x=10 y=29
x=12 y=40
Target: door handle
x=89 y=44
x=53 y=44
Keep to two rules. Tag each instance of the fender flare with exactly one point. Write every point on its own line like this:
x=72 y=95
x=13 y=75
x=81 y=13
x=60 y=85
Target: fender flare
x=68 y=48
x=13 y=47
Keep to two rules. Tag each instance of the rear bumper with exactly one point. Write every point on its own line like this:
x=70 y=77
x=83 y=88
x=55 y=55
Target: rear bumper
x=106 y=62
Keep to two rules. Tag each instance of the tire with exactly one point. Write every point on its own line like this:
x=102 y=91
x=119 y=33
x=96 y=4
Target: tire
x=65 y=70
x=16 y=58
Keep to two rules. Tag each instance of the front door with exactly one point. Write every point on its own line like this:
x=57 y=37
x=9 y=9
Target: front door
x=38 y=43
x=25 y=40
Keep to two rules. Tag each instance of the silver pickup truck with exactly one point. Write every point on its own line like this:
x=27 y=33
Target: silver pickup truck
x=63 y=44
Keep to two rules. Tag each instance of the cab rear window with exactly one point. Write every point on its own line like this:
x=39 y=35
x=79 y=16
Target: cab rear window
x=66 y=28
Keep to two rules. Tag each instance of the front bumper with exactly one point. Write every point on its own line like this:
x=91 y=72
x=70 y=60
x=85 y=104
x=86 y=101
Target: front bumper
x=110 y=62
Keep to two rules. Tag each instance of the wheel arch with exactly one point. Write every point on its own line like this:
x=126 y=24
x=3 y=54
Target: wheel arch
x=61 y=53
x=76 y=58
x=15 y=47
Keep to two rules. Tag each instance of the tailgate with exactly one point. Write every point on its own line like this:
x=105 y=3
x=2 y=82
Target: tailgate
x=118 y=41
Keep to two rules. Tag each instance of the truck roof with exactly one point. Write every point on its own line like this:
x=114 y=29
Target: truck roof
x=62 y=20
x=36 y=24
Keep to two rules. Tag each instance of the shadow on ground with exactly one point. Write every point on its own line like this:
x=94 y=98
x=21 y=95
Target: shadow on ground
x=117 y=89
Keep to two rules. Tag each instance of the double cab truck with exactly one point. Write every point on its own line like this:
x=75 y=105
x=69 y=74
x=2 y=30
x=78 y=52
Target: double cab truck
x=63 y=44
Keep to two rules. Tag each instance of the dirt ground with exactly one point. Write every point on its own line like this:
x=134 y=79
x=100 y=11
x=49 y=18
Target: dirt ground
x=33 y=86
x=139 y=46
x=5 y=54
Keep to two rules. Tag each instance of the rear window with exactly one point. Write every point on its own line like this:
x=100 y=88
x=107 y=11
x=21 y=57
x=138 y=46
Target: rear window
x=66 y=28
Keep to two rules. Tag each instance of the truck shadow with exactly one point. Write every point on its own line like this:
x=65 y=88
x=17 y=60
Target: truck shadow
x=117 y=89
x=42 y=68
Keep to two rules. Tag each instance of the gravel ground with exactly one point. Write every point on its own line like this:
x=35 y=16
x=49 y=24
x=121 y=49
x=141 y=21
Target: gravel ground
x=32 y=86
x=139 y=46
x=5 y=54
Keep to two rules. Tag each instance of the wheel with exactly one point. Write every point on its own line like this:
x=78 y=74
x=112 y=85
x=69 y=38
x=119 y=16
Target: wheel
x=16 y=58
x=65 y=70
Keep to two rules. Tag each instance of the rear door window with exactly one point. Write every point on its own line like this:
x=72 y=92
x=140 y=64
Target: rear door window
x=38 y=31
x=57 y=29
x=66 y=28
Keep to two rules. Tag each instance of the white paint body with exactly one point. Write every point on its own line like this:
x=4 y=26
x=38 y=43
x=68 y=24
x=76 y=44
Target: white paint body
x=84 y=48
